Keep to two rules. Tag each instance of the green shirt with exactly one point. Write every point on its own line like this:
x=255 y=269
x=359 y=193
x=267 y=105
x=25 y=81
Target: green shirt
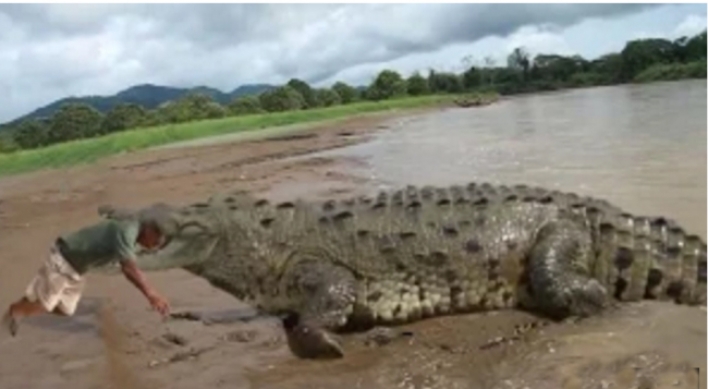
x=100 y=244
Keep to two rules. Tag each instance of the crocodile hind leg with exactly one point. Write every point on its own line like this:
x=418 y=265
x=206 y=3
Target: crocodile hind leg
x=560 y=283
x=324 y=296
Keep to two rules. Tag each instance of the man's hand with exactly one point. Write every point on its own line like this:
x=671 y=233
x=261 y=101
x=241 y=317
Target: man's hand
x=159 y=304
x=135 y=276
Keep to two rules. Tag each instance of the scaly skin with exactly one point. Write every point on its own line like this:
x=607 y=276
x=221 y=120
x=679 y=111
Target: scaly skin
x=422 y=252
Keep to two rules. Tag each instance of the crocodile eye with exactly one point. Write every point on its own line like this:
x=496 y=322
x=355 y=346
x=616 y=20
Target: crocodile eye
x=193 y=228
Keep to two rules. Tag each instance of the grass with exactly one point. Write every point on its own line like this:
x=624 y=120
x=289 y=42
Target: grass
x=89 y=150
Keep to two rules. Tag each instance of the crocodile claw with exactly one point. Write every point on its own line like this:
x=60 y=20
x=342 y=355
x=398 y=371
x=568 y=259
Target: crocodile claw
x=312 y=342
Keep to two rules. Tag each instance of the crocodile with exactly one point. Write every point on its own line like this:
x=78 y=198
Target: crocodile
x=363 y=262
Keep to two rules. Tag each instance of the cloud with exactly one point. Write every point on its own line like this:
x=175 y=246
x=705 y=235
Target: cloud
x=692 y=25
x=49 y=51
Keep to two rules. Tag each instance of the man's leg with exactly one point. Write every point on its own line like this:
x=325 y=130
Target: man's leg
x=51 y=291
x=25 y=308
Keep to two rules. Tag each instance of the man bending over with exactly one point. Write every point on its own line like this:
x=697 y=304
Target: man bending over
x=59 y=283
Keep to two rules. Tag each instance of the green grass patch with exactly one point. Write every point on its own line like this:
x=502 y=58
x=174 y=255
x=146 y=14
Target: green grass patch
x=89 y=150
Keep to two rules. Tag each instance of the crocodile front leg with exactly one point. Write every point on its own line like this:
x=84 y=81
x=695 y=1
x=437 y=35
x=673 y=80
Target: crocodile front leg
x=561 y=285
x=324 y=296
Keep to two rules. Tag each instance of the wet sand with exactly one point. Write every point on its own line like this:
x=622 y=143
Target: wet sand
x=115 y=341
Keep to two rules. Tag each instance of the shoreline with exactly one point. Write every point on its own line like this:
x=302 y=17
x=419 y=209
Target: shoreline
x=292 y=141
x=83 y=151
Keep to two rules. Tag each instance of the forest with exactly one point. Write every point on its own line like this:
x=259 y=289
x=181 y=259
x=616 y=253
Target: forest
x=642 y=60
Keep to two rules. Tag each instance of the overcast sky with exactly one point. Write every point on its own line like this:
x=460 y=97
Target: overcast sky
x=51 y=51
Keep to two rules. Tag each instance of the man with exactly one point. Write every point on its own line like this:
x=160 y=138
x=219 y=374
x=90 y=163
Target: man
x=58 y=285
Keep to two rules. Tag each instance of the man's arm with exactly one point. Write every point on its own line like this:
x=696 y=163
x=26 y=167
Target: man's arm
x=136 y=277
x=125 y=241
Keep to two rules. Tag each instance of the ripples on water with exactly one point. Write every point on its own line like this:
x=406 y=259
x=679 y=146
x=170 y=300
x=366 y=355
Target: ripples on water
x=640 y=146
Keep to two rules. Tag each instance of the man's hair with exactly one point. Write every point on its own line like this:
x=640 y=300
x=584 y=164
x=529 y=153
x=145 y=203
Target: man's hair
x=161 y=216
x=158 y=216
x=147 y=223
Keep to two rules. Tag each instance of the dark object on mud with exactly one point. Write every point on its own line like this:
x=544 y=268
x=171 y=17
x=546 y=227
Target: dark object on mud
x=227 y=317
x=187 y=315
x=383 y=335
x=241 y=336
x=175 y=339
x=285 y=138
x=473 y=101
x=181 y=356
x=519 y=331
x=414 y=253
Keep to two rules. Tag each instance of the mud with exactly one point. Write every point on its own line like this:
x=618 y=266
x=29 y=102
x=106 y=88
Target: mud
x=115 y=341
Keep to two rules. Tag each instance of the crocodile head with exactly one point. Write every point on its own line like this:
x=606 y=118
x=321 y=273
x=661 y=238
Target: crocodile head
x=188 y=237
x=217 y=240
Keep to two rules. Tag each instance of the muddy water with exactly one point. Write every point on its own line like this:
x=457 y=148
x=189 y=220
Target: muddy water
x=642 y=147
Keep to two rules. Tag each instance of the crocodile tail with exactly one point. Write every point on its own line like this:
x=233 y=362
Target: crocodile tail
x=641 y=257
x=677 y=270
x=653 y=258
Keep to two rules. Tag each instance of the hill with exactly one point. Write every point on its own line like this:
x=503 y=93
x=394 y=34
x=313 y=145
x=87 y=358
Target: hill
x=147 y=95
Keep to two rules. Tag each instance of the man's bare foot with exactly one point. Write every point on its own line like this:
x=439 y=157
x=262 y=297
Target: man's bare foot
x=10 y=323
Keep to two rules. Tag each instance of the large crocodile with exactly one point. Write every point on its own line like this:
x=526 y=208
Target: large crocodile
x=420 y=252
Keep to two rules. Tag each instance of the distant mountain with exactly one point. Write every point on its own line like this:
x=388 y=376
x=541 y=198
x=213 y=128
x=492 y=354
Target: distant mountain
x=147 y=95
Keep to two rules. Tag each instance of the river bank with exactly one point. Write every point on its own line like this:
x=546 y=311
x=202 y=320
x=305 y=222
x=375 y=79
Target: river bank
x=91 y=149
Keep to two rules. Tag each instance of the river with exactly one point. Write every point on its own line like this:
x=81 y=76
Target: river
x=642 y=147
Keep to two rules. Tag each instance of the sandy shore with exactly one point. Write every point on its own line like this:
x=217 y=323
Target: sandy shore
x=116 y=341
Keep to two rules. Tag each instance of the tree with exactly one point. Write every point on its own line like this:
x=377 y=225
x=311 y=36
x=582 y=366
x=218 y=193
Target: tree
x=7 y=145
x=245 y=105
x=201 y=106
x=346 y=93
x=284 y=98
x=328 y=97
x=508 y=80
x=609 y=67
x=31 y=134
x=553 y=67
x=696 y=47
x=444 y=82
x=680 y=48
x=387 y=84
x=417 y=85
x=122 y=117
x=74 y=121
x=472 y=78
x=213 y=110
x=519 y=60
x=152 y=118
x=640 y=54
x=489 y=64
x=306 y=91
x=194 y=106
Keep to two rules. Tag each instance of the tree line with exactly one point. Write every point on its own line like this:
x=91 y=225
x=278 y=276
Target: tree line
x=641 y=60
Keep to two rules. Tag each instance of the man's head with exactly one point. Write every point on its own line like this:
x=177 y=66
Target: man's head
x=168 y=236
x=157 y=224
x=150 y=235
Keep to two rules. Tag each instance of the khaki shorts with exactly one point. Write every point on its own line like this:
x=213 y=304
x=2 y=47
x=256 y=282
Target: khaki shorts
x=56 y=284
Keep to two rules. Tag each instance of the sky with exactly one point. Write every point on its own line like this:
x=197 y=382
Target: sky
x=51 y=51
